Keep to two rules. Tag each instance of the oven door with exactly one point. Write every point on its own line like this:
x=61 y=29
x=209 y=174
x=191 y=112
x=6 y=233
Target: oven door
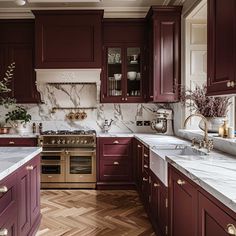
x=81 y=165
x=52 y=166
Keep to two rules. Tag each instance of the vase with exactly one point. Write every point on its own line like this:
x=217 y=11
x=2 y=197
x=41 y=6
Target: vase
x=21 y=128
x=213 y=124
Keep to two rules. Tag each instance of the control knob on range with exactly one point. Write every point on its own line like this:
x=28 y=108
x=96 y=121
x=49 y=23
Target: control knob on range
x=63 y=141
x=68 y=141
x=58 y=141
x=53 y=141
x=85 y=141
x=81 y=141
x=77 y=141
x=72 y=141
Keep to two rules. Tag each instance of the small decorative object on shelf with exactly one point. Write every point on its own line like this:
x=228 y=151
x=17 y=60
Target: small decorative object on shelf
x=213 y=108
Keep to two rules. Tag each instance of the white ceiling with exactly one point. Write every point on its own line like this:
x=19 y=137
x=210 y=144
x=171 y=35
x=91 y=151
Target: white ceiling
x=112 y=8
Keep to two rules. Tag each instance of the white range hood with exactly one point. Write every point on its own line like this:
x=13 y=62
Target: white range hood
x=75 y=76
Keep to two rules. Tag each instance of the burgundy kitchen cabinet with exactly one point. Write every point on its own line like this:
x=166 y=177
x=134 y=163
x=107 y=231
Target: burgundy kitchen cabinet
x=221 y=45
x=164 y=53
x=183 y=204
x=18 y=142
x=8 y=205
x=158 y=205
x=124 y=69
x=20 y=200
x=115 y=163
x=214 y=220
x=68 y=39
x=17 y=45
x=29 y=197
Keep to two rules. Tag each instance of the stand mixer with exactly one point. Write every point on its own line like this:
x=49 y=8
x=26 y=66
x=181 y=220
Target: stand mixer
x=163 y=124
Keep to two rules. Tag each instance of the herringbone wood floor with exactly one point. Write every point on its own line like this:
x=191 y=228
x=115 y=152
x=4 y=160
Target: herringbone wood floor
x=93 y=213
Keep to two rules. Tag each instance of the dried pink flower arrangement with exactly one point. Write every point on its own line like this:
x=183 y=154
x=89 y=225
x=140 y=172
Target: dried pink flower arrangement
x=207 y=106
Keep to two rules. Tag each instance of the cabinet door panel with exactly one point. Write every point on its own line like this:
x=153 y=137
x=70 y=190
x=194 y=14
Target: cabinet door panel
x=221 y=45
x=18 y=142
x=24 y=201
x=35 y=189
x=183 y=203
x=212 y=219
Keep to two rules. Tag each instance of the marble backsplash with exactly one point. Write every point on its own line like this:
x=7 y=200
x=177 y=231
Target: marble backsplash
x=84 y=95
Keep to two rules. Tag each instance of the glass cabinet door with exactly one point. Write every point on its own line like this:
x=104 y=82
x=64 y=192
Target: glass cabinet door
x=114 y=70
x=134 y=76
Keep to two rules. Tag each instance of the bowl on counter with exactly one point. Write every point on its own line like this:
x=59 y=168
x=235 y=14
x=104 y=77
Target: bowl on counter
x=131 y=75
x=117 y=76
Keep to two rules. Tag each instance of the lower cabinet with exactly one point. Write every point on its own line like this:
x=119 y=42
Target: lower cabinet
x=213 y=220
x=115 y=163
x=20 y=200
x=193 y=211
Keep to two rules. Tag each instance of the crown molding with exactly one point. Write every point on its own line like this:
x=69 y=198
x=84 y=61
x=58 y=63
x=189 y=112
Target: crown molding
x=109 y=12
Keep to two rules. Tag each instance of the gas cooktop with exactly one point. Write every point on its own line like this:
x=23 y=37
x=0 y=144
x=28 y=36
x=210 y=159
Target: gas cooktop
x=68 y=132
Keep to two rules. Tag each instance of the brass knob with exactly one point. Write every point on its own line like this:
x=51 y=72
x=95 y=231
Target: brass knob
x=181 y=182
x=116 y=163
x=228 y=84
x=3 y=232
x=29 y=167
x=232 y=84
x=11 y=142
x=145 y=166
x=3 y=189
x=156 y=185
x=231 y=230
x=116 y=142
x=122 y=99
x=126 y=99
x=145 y=179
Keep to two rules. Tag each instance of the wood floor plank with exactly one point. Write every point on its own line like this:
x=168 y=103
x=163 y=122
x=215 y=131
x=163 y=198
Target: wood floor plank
x=93 y=213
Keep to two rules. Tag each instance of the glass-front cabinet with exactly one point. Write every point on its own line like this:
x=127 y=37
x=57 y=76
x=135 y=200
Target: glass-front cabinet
x=123 y=74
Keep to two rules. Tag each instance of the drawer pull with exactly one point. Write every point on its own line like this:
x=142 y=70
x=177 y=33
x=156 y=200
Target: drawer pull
x=49 y=176
x=180 y=182
x=116 y=142
x=139 y=146
x=29 y=167
x=11 y=142
x=231 y=230
x=116 y=163
x=145 y=166
x=145 y=179
x=228 y=84
x=156 y=185
x=3 y=232
x=3 y=189
x=145 y=155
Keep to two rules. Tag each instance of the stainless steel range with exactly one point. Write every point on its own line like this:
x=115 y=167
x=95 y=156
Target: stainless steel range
x=68 y=159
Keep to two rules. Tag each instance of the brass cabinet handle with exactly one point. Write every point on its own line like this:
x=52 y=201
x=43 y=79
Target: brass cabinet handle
x=230 y=84
x=49 y=176
x=3 y=189
x=145 y=179
x=122 y=99
x=139 y=146
x=11 y=142
x=3 y=232
x=181 y=182
x=116 y=163
x=231 y=230
x=156 y=185
x=145 y=166
x=145 y=155
x=126 y=99
x=29 y=167
x=116 y=142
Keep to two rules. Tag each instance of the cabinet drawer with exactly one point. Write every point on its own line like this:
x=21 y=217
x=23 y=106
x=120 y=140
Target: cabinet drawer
x=115 y=170
x=8 y=193
x=110 y=147
x=18 y=142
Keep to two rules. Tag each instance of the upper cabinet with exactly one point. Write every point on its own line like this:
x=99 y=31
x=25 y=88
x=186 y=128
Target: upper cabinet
x=124 y=69
x=164 y=53
x=221 y=47
x=17 y=45
x=68 y=39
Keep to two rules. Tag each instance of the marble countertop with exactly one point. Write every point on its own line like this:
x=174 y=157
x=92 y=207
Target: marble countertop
x=11 y=158
x=19 y=135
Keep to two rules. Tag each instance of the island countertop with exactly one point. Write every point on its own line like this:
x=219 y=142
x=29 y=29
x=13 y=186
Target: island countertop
x=11 y=158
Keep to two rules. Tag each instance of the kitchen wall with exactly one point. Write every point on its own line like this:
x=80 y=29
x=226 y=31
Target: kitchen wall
x=74 y=95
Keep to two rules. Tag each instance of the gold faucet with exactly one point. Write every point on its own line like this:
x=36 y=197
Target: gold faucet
x=206 y=139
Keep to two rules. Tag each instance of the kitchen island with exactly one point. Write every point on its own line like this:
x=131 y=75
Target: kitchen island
x=19 y=190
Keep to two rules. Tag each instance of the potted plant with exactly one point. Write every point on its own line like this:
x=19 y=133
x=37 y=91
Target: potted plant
x=20 y=118
x=213 y=108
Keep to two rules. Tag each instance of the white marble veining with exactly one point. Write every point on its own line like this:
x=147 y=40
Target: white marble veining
x=11 y=158
x=29 y=135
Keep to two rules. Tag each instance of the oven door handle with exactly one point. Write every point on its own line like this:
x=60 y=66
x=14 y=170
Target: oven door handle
x=67 y=152
x=49 y=152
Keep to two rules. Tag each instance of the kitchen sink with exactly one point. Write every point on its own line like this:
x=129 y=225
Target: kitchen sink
x=158 y=163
